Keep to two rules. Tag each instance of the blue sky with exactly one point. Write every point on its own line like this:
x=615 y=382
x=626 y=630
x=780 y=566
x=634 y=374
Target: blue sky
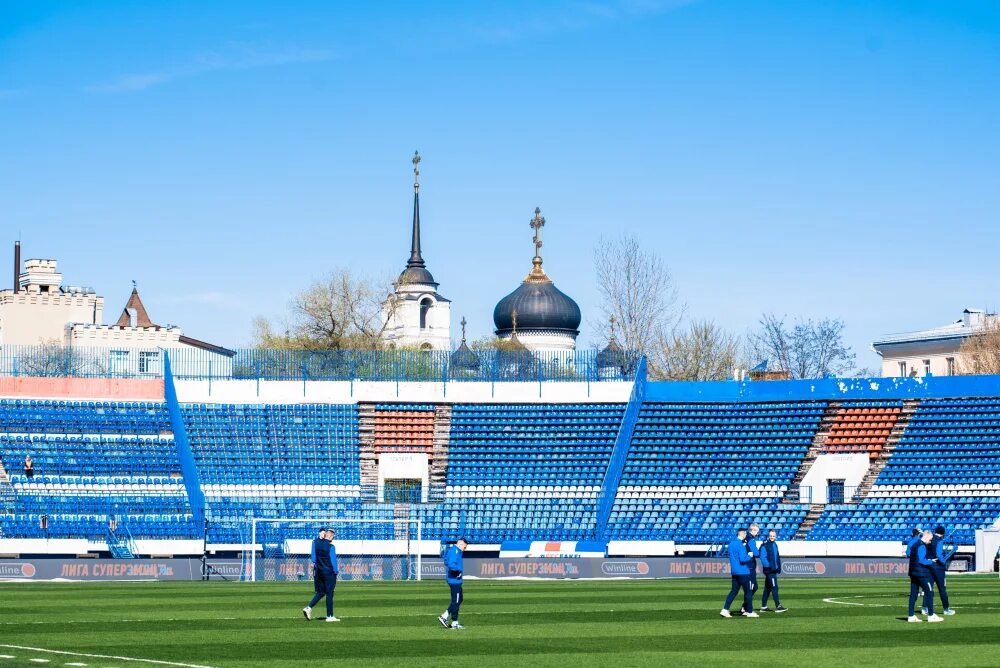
x=807 y=158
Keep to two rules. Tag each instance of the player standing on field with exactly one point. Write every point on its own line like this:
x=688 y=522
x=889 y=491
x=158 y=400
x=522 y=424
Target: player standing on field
x=920 y=578
x=770 y=559
x=754 y=551
x=940 y=568
x=324 y=575
x=453 y=562
x=739 y=558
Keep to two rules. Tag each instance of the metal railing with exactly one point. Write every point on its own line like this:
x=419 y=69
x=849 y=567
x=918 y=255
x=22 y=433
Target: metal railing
x=359 y=365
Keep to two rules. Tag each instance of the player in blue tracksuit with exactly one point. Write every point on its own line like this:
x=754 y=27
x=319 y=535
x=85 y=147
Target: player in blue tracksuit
x=453 y=564
x=940 y=568
x=914 y=539
x=770 y=559
x=739 y=569
x=920 y=578
x=325 y=570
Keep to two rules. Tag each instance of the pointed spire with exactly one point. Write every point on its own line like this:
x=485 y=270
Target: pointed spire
x=134 y=314
x=463 y=329
x=537 y=274
x=416 y=260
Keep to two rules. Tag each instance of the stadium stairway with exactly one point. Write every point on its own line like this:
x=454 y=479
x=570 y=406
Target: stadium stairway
x=794 y=492
x=878 y=463
x=439 y=454
x=7 y=497
x=366 y=451
x=815 y=512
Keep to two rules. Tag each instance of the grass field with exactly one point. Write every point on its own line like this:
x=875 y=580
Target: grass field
x=512 y=623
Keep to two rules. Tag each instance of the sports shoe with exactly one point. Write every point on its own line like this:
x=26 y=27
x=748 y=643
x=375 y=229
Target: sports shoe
x=913 y=619
x=444 y=621
x=781 y=608
x=935 y=618
x=333 y=619
x=750 y=614
x=307 y=613
x=923 y=611
x=765 y=609
x=948 y=611
x=456 y=625
x=725 y=613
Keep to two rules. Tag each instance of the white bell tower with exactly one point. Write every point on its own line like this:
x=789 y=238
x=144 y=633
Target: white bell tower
x=416 y=315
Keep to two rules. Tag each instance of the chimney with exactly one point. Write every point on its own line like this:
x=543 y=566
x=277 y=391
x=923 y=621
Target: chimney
x=17 y=266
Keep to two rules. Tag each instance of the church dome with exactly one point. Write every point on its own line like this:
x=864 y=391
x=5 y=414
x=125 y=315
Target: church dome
x=537 y=305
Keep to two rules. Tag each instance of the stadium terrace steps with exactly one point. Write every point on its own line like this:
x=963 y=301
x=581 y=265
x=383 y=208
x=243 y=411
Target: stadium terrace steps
x=367 y=459
x=878 y=463
x=815 y=512
x=794 y=492
x=439 y=454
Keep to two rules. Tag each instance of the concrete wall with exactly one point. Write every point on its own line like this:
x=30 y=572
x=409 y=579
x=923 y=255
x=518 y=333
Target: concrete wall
x=851 y=468
x=102 y=389
x=30 y=318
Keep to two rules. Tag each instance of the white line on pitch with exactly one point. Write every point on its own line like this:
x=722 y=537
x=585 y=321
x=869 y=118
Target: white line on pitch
x=103 y=656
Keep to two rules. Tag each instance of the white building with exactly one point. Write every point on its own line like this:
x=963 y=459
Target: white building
x=416 y=315
x=40 y=311
x=931 y=351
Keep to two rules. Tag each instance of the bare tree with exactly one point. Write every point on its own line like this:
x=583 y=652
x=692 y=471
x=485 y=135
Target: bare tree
x=340 y=312
x=980 y=353
x=700 y=352
x=808 y=349
x=637 y=294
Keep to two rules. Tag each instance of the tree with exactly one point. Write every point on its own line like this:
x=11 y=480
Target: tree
x=340 y=312
x=637 y=294
x=980 y=353
x=701 y=352
x=809 y=349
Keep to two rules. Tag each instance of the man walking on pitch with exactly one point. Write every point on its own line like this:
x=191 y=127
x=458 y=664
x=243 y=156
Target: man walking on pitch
x=920 y=578
x=939 y=569
x=770 y=559
x=453 y=563
x=754 y=551
x=324 y=574
x=739 y=559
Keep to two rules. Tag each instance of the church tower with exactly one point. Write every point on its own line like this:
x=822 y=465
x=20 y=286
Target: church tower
x=416 y=315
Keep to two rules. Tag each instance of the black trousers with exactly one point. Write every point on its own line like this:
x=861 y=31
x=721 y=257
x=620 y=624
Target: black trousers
x=938 y=575
x=770 y=589
x=456 y=600
x=741 y=582
x=918 y=584
x=324 y=586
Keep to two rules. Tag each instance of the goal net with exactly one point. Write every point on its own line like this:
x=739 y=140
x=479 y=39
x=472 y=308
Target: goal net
x=385 y=549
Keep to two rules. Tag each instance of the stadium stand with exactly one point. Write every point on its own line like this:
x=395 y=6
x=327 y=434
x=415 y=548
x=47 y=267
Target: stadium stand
x=696 y=470
x=945 y=469
x=97 y=465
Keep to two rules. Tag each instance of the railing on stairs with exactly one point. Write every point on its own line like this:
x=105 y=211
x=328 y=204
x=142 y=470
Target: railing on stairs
x=609 y=488
x=121 y=545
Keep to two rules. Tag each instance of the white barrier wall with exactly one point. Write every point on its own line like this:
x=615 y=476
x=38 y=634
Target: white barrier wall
x=347 y=392
x=851 y=468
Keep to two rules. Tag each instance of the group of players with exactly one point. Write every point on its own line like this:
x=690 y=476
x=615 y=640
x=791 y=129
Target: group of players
x=928 y=568
x=325 y=571
x=926 y=552
x=743 y=555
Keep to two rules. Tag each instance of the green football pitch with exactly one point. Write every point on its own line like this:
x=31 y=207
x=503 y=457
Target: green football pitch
x=831 y=622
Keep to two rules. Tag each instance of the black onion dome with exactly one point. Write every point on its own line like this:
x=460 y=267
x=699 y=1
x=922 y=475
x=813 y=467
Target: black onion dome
x=612 y=356
x=416 y=274
x=539 y=305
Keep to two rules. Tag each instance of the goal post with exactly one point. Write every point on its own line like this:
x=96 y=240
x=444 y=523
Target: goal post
x=367 y=549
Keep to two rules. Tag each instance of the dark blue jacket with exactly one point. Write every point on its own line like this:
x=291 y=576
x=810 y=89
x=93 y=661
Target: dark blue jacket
x=910 y=544
x=753 y=549
x=920 y=563
x=326 y=557
x=453 y=562
x=938 y=551
x=770 y=559
x=739 y=560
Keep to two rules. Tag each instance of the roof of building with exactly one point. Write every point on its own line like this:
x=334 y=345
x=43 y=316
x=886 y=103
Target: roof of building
x=141 y=316
x=537 y=302
x=416 y=269
x=959 y=329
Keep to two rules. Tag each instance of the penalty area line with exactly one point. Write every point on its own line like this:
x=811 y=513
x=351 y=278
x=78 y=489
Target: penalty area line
x=833 y=600
x=104 y=656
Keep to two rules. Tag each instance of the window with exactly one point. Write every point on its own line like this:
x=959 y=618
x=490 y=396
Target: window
x=425 y=306
x=902 y=369
x=927 y=367
x=149 y=362
x=951 y=366
x=119 y=362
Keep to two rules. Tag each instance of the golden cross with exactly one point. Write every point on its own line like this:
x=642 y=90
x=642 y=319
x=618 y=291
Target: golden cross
x=537 y=223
